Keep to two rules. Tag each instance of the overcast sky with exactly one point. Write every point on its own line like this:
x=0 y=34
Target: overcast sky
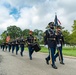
x=36 y=14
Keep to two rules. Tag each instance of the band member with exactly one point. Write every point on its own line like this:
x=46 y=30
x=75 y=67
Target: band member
x=30 y=41
x=60 y=42
x=50 y=39
x=22 y=44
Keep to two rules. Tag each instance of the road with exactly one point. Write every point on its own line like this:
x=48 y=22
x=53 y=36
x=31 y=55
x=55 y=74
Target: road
x=11 y=64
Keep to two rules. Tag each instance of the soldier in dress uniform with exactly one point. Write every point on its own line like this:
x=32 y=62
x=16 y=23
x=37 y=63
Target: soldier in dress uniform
x=6 y=45
x=9 y=46
x=50 y=39
x=17 y=45
x=30 y=41
x=60 y=42
x=3 y=46
x=22 y=44
x=13 y=46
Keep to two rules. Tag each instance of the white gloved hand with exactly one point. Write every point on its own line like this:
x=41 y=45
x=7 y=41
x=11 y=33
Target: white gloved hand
x=58 y=45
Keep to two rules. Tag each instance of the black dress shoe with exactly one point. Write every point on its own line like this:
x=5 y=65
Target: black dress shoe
x=30 y=58
x=62 y=63
x=16 y=53
x=47 y=62
x=54 y=66
x=21 y=53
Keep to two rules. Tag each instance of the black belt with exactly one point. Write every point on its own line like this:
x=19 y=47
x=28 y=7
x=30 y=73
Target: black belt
x=60 y=39
x=51 y=39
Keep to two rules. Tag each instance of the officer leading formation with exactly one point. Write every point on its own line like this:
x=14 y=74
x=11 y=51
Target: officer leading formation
x=54 y=39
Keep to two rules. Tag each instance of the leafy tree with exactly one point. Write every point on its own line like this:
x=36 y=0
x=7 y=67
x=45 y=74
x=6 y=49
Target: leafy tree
x=73 y=34
x=39 y=35
x=25 y=33
x=14 y=31
x=3 y=36
x=66 y=35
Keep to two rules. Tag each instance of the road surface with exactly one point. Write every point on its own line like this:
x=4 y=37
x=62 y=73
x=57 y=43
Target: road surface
x=11 y=64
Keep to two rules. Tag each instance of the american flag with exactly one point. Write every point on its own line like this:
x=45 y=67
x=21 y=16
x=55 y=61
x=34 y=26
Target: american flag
x=56 y=21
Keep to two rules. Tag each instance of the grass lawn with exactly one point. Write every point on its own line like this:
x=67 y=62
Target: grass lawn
x=70 y=51
x=66 y=51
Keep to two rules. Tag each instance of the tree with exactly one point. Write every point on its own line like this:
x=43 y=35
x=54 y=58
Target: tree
x=25 y=33
x=39 y=35
x=66 y=35
x=73 y=34
x=3 y=36
x=14 y=32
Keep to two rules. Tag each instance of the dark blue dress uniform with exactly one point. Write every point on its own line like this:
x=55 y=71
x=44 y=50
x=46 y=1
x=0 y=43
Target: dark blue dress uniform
x=17 y=46
x=50 y=40
x=9 y=46
x=3 y=46
x=13 y=46
x=22 y=43
x=6 y=45
x=60 y=42
x=30 y=40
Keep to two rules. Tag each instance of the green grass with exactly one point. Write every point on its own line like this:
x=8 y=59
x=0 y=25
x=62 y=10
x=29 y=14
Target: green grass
x=69 y=51
x=66 y=51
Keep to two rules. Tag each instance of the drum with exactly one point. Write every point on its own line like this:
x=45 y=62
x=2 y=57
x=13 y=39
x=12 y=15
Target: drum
x=36 y=47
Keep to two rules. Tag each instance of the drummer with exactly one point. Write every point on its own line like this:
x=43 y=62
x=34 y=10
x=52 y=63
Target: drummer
x=30 y=41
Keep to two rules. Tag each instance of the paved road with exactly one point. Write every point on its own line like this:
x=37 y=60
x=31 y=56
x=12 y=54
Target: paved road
x=11 y=64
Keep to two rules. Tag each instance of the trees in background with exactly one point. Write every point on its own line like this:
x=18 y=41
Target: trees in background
x=73 y=34
x=15 y=32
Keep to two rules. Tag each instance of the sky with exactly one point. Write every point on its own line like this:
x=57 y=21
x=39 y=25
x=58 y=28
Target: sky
x=36 y=14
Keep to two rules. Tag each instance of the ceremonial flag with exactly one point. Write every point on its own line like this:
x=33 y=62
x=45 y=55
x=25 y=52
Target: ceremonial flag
x=59 y=22
x=56 y=21
x=7 y=38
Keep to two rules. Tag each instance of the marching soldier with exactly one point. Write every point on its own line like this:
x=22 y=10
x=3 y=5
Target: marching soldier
x=60 y=42
x=17 y=46
x=30 y=41
x=3 y=46
x=13 y=46
x=9 y=46
x=22 y=43
x=50 y=39
x=6 y=45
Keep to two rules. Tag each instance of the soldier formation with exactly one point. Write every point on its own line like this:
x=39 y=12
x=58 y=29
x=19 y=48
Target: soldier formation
x=52 y=37
x=14 y=45
x=19 y=43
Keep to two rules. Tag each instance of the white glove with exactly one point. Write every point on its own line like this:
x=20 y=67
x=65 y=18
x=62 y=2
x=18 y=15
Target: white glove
x=58 y=45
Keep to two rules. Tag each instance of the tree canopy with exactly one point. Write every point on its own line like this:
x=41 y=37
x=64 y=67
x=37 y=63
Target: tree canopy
x=14 y=32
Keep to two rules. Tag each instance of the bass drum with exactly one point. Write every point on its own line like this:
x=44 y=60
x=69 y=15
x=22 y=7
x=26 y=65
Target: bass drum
x=36 y=47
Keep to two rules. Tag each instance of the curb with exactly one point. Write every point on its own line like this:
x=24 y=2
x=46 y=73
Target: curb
x=71 y=57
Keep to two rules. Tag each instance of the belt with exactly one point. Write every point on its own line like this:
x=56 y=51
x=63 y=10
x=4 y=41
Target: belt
x=51 y=39
x=60 y=39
